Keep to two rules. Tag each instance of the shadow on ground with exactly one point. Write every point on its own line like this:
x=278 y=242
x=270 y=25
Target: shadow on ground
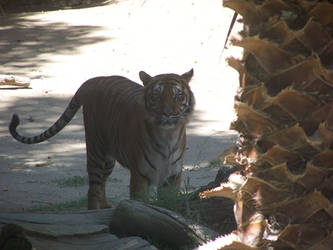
x=23 y=37
x=29 y=171
x=18 y=6
x=39 y=113
x=36 y=115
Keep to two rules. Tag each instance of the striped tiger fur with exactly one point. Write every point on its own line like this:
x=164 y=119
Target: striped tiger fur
x=141 y=127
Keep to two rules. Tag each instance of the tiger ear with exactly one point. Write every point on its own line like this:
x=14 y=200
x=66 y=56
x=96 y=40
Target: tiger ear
x=145 y=78
x=187 y=76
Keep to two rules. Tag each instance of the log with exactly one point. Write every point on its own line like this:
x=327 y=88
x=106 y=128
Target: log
x=101 y=229
x=136 y=218
x=12 y=237
x=87 y=230
x=11 y=80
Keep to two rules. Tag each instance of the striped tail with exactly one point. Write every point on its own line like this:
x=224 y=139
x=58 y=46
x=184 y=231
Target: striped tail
x=64 y=119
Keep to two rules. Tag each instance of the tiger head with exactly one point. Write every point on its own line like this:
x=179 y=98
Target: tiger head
x=168 y=98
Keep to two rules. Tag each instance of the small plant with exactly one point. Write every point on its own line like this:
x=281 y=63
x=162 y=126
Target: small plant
x=170 y=197
x=215 y=163
x=187 y=185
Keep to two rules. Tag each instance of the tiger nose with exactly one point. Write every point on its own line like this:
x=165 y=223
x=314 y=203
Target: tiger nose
x=167 y=111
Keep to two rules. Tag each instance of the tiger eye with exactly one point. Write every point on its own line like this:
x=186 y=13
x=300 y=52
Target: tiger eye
x=178 y=94
x=157 y=89
x=177 y=90
x=180 y=97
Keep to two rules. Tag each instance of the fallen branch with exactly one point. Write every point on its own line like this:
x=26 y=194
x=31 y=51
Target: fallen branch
x=84 y=230
x=140 y=219
x=11 y=80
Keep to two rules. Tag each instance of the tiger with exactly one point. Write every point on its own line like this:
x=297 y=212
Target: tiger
x=143 y=127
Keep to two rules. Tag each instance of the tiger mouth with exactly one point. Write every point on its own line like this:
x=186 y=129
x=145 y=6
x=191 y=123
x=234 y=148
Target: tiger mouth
x=170 y=121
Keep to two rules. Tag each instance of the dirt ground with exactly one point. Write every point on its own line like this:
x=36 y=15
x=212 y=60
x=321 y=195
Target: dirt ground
x=59 y=50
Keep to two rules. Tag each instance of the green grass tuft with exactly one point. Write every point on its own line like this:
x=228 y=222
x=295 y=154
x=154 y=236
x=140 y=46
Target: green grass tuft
x=171 y=198
x=216 y=163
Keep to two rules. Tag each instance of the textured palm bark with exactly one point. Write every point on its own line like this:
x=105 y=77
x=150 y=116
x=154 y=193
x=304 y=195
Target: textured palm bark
x=283 y=192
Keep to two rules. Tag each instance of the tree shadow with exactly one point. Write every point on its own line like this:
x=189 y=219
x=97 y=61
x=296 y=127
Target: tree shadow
x=202 y=149
x=39 y=113
x=18 y=6
x=35 y=167
x=27 y=42
x=29 y=172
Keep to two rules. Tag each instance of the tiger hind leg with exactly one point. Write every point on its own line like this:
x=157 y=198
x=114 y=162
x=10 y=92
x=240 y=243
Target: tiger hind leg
x=98 y=174
x=108 y=168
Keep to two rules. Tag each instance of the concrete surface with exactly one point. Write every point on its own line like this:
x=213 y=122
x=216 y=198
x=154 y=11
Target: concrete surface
x=59 y=50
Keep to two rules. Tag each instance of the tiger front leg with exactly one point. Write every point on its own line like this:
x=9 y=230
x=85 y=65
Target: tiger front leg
x=171 y=185
x=174 y=181
x=140 y=186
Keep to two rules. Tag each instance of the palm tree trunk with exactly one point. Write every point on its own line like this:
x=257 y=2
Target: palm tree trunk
x=285 y=120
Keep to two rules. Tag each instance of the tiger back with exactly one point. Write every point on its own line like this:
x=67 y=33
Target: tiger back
x=141 y=127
